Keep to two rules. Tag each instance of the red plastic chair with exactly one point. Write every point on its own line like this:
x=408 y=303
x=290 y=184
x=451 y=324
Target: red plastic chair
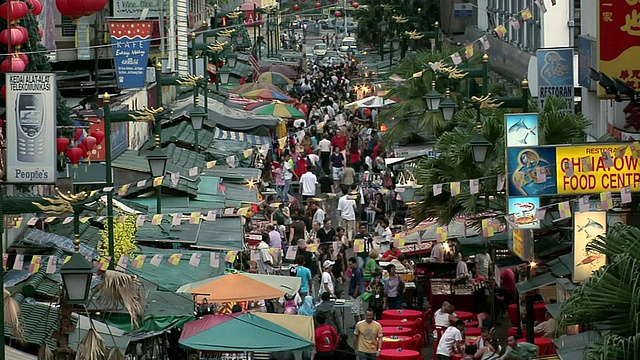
x=426 y=322
x=439 y=331
x=417 y=342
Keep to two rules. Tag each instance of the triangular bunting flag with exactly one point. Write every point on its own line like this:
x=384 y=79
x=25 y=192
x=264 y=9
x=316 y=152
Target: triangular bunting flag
x=526 y=14
x=67 y=220
x=141 y=183
x=211 y=164
x=175 y=259
x=456 y=58
x=501 y=31
x=231 y=161
x=193 y=171
x=607 y=200
x=541 y=5
x=214 y=261
x=156 y=260
x=485 y=43
x=52 y=264
x=282 y=143
x=468 y=51
x=123 y=189
x=247 y=153
x=157 y=181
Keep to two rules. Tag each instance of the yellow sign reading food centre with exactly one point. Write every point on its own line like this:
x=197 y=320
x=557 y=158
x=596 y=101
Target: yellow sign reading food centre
x=591 y=173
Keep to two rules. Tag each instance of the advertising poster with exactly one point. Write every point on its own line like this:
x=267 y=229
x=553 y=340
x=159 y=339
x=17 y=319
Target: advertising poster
x=532 y=171
x=587 y=50
x=586 y=227
x=523 y=210
x=590 y=172
x=131 y=51
x=618 y=46
x=521 y=243
x=522 y=130
x=555 y=75
x=31 y=128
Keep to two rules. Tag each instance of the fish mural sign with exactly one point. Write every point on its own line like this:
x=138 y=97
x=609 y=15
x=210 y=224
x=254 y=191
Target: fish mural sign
x=524 y=210
x=522 y=130
x=586 y=227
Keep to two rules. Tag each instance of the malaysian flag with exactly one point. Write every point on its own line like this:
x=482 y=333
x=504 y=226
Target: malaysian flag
x=253 y=59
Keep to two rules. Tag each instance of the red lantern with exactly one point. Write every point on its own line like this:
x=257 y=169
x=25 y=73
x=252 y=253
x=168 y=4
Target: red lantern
x=13 y=63
x=318 y=5
x=81 y=147
x=15 y=9
x=13 y=36
x=23 y=56
x=78 y=8
x=78 y=135
x=337 y=14
x=62 y=143
x=89 y=143
x=36 y=7
x=75 y=154
x=296 y=7
x=355 y=5
x=99 y=135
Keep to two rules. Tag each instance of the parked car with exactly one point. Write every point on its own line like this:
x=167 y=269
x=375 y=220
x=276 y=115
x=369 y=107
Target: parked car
x=320 y=50
x=348 y=45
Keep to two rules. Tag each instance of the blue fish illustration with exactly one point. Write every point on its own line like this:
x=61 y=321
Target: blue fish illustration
x=590 y=224
x=520 y=131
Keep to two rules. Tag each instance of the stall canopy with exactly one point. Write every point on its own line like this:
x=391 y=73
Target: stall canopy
x=224 y=333
x=242 y=287
x=301 y=325
x=427 y=229
x=240 y=136
x=477 y=244
x=223 y=234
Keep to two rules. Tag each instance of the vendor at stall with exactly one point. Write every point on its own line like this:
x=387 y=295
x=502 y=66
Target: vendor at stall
x=391 y=254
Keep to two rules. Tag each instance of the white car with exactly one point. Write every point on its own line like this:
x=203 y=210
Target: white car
x=348 y=44
x=320 y=50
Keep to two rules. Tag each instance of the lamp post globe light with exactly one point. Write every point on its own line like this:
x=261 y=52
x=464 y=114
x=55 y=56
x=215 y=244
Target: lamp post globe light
x=232 y=58
x=76 y=276
x=158 y=164
x=433 y=98
x=480 y=147
x=395 y=43
x=448 y=107
x=224 y=76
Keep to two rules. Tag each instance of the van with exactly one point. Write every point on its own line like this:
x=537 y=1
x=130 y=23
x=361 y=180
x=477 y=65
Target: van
x=348 y=44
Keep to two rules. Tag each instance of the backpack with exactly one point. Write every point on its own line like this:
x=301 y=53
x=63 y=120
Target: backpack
x=290 y=307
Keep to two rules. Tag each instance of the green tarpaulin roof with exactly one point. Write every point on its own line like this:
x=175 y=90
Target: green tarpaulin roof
x=224 y=333
x=226 y=233
x=476 y=244
x=170 y=277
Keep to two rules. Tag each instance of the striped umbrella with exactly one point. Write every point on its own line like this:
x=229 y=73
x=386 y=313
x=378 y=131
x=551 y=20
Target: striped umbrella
x=266 y=94
x=279 y=110
x=253 y=86
x=274 y=78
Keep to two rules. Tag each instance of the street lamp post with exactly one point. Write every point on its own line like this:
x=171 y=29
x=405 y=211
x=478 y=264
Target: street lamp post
x=158 y=165
x=395 y=45
x=383 y=29
x=198 y=116
x=448 y=107
x=433 y=98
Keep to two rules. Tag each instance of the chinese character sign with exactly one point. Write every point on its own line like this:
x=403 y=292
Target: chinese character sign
x=619 y=41
x=131 y=51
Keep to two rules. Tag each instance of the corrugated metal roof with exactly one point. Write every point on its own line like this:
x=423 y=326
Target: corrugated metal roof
x=131 y=160
x=39 y=322
x=183 y=133
x=184 y=158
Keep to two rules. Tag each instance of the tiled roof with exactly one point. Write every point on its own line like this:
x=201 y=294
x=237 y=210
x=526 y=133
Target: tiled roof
x=39 y=322
x=183 y=133
x=131 y=160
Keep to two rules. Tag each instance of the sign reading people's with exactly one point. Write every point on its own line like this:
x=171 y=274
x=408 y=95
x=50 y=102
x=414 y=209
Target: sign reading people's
x=573 y=170
x=31 y=128
x=131 y=51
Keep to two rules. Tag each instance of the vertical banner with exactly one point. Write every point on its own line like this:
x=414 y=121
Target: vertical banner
x=521 y=243
x=131 y=51
x=587 y=58
x=618 y=46
x=555 y=76
x=522 y=130
x=31 y=128
x=586 y=227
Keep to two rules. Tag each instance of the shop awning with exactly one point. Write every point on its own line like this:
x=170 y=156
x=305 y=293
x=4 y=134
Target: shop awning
x=240 y=136
x=571 y=347
x=301 y=325
x=477 y=244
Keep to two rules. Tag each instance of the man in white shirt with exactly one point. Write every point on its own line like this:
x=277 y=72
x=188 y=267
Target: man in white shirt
x=265 y=263
x=451 y=341
x=326 y=281
x=462 y=270
x=288 y=177
x=483 y=260
x=347 y=209
x=437 y=252
x=325 y=154
x=387 y=235
x=308 y=183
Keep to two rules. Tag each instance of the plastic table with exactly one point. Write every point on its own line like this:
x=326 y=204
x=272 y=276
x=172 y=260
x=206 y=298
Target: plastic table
x=395 y=342
x=399 y=354
x=466 y=315
x=397 y=331
x=399 y=314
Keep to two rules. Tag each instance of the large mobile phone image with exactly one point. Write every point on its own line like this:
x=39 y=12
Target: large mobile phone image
x=30 y=119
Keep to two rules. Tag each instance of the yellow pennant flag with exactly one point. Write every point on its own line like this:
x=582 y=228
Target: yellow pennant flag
x=231 y=256
x=175 y=259
x=282 y=142
x=157 y=219
x=123 y=189
x=36 y=260
x=526 y=14
x=211 y=164
x=158 y=181
x=247 y=153
x=487 y=229
x=468 y=51
x=138 y=262
x=104 y=263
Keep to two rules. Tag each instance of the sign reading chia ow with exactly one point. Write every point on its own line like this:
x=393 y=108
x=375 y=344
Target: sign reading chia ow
x=31 y=128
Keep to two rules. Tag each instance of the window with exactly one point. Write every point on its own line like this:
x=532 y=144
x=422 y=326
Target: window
x=68 y=27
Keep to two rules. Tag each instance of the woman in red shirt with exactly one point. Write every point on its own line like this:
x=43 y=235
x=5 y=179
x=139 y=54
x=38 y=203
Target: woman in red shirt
x=391 y=254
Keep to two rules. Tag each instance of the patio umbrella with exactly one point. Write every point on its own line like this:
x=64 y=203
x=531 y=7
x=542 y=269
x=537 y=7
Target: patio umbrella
x=279 y=110
x=242 y=287
x=255 y=105
x=282 y=69
x=254 y=86
x=266 y=94
x=274 y=78
x=228 y=333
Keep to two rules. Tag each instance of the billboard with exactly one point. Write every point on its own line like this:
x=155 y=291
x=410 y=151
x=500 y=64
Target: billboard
x=584 y=169
x=133 y=9
x=532 y=171
x=524 y=210
x=586 y=227
x=555 y=75
x=587 y=51
x=131 y=51
x=521 y=243
x=522 y=130
x=31 y=128
x=618 y=46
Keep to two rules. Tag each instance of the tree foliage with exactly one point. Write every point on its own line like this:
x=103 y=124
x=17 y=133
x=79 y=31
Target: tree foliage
x=124 y=234
x=455 y=160
x=609 y=301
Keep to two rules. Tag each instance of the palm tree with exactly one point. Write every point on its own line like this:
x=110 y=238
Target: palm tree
x=455 y=161
x=609 y=301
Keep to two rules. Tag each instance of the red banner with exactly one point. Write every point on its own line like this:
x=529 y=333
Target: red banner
x=619 y=41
